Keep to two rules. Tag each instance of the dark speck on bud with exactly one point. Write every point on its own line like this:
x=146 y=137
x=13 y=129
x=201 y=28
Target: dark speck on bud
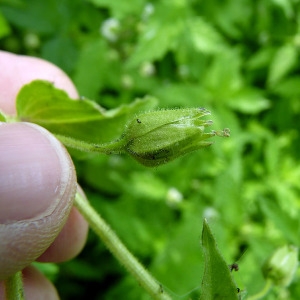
x=164 y=135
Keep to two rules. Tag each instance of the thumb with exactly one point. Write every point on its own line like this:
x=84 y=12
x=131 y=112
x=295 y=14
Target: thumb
x=37 y=188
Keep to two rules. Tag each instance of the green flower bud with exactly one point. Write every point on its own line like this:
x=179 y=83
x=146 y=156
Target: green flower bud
x=282 y=265
x=157 y=137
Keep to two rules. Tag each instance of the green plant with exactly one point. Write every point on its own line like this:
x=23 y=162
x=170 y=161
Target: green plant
x=238 y=59
x=152 y=138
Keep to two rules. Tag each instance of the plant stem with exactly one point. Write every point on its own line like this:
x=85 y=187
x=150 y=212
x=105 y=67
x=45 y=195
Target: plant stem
x=14 y=287
x=119 y=250
x=115 y=147
x=263 y=292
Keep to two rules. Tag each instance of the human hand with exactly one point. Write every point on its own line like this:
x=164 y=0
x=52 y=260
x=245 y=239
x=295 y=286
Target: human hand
x=37 y=185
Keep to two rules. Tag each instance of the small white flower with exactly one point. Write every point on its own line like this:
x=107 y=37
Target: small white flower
x=110 y=29
x=147 y=69
x=150 y=34
x=148 y=11
x=297 y=40
x=183 y=71
x=174 y=197
x=127 y=81
x=32 y=41
x=210 y=213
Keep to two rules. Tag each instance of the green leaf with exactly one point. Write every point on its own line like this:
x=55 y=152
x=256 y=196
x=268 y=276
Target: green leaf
x=37 y=16
x=249 y=101
x=99 y=62
x=4 y=26
x=222 y=78
x=286 y=6
x=284 y=60
x=181 y=257
x=120 y=9
x=288 y=88
x=186 y=93
x=160 y=35
x=2 y=117
x=155 y=43
x=260 y=59
x=289 y=227
x=61 y=51
x=217 y=282
x=50 y=270
x=41 y=103
x=205 y=38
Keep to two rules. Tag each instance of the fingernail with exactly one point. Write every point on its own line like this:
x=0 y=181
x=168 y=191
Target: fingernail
x=34 y=172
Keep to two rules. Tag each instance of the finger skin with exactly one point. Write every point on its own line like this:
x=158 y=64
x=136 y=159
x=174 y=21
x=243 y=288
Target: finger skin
x=70 y=240
x=23 y=240
x=20 y=70
x=36 y=286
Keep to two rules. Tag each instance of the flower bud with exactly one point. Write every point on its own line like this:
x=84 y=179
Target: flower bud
x=282 y=265
x=157 y=137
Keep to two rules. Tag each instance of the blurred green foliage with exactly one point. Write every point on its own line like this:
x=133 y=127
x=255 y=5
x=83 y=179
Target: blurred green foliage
x=239 y=59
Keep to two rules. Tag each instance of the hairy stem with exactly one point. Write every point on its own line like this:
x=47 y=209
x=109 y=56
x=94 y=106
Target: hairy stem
x=14 y=287
x=118 y=249
x=115 y=147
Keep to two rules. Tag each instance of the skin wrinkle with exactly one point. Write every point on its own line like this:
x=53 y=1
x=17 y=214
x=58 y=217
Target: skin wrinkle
x=44 y=228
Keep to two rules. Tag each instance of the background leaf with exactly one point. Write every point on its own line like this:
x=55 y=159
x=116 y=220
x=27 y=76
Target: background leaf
x=4 y=26
x=2 y=117
x=283 y=61
x=217 y=282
